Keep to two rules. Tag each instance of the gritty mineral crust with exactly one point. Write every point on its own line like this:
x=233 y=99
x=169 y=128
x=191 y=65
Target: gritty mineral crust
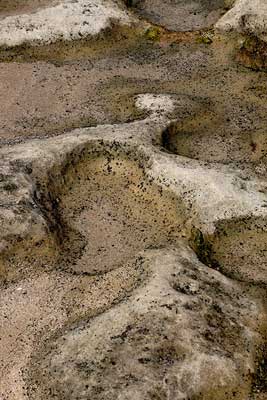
x=247 y=20
x=67 y=20
x=133 y=200
x=246 y=16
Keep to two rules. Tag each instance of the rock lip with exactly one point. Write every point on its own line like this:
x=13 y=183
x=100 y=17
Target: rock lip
x=65 y=21
x=248 y=17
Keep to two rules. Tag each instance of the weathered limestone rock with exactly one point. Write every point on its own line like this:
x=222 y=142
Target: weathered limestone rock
x=248 y=17
x=53 y=179
x=84 y=208
x=187 y=332
x=133 y=262
x=65 y=21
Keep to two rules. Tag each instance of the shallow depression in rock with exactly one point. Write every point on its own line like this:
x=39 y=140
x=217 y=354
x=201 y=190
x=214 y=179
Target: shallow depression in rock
x=107 y=210
x=237 y=248
x=180 y=15
x=211 y=138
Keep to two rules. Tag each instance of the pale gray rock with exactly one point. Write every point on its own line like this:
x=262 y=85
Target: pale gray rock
x=65 y=21
x=187 y=332
x=248 y=17
x=180 y=15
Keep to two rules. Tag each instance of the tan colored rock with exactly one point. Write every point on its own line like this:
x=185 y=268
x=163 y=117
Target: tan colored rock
x=187 y=332
x=133 y=261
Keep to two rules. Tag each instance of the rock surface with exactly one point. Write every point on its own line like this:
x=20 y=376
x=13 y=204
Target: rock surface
x=67 y=20
x=148 y=346
x=247 y=17
x=180 y=15
x=133 y=194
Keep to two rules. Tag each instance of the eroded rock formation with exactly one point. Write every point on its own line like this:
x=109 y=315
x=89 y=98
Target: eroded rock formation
x=133 y=241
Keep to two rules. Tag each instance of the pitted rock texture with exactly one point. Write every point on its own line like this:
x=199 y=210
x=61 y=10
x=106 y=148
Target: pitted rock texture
x=67 y=20
x=17 y=7
x=147 y=347
x=105 y=197
x=248 y=17
x=180 y=15
x=247 y=21
x=133 y=194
